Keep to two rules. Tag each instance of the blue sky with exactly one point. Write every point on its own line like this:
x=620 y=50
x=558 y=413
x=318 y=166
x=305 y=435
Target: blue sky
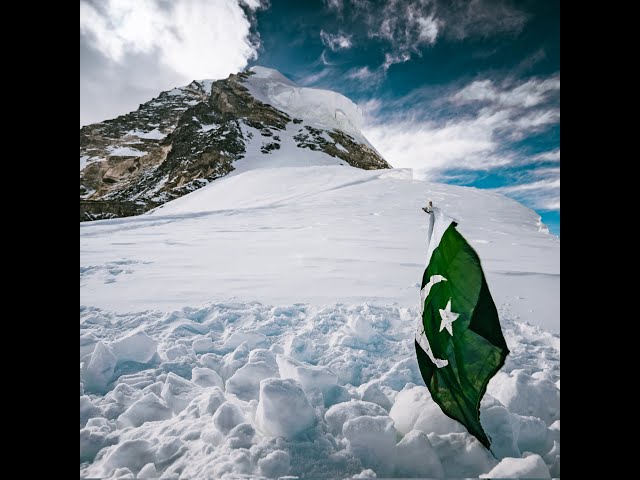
x=463 y=92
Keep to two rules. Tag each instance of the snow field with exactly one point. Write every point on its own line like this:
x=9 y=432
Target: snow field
x=310 y=391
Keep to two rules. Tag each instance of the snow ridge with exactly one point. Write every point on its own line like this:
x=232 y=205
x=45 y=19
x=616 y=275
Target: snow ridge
x=320 y=108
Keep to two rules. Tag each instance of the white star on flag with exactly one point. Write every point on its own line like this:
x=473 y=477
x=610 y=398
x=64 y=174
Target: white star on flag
x=448 y=317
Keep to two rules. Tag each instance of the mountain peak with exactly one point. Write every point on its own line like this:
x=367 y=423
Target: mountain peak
x=321 y=108
x=189 y=136
x=271 y=74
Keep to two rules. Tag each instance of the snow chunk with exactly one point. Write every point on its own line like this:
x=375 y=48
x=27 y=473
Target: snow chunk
x=83 y=161
x=552 y=459
x=309 y=376
x=414 y=409
x=148 y=471
x=366 y=473
x=206 y=84
x=202 y=345
x=228 y=416
x=304 y=348
x=99 y=371
x=154 y=134
x=497 y=423
x=178 y=392
x=402 y=373
x=124 y=394
x=245 y=383
x=87 y=410
x=206 y=377
x=94 y=437
x=131 y=454
x=210 y=403
x=271 y=415
x=206 y=128
x=337 y=415
x=553 y=432
x=135 y=347
x=531 y=466
x=234 y=360
x=122 y=473
x=371 y=392
x=252 y=340
x=531 y=434
x=276 y=464
x=526 y=395
x=176 y=352
x=373 y=441
x=417 y=458
x=462 y=455
x=241 y=436
x=263 y=355
x=211 y=360
x=125 y=152
x=149 y=408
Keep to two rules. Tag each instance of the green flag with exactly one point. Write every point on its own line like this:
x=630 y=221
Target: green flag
x=459 y=342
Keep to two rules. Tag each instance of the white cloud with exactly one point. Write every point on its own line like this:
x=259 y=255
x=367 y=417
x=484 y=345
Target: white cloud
x=549 y=184
x=255 y=4
x=543 y=194
x=391 y=59
x=480 y=18
x=410 y=25
x=407 y=26
x=337 y=5
x=529 y=94
x=364 y=77
x=314 y=77
x=175 y=42
x=472 y=140
x=429 y=28
x=531 y=122
x=337 y=41
x=187 y=37
x=360 y=73
x=550 y=156
x=370 y=108
x=430 y=148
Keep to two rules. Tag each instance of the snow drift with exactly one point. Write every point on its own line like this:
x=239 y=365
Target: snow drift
x=264 y=326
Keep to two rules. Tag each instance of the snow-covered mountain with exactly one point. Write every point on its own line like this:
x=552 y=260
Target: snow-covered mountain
x=263 y=326
x=189 y=136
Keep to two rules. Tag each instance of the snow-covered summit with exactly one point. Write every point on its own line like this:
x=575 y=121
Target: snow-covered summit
x=192 y=135
x=321 y=108
x=271 y=74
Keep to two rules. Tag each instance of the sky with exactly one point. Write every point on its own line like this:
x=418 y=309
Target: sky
x=463 y=92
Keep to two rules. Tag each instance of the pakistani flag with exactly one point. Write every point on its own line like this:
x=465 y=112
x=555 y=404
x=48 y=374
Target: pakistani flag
x=459 y=341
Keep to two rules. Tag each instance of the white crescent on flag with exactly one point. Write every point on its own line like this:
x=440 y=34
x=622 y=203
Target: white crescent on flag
x=421 y=336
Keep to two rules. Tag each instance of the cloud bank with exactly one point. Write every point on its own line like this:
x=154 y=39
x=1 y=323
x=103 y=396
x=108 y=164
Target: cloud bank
x=473 y=129
x=129 y=51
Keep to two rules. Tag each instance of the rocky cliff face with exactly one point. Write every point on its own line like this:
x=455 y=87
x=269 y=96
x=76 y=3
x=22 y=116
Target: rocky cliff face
x=189 y=136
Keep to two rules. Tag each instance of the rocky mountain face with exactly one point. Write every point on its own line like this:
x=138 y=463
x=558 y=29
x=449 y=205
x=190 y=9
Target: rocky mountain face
x=189 y=136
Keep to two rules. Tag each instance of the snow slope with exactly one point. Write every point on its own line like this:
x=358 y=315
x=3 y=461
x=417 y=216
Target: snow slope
x=263 y=326
x=322 y=234
x=288 y=155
